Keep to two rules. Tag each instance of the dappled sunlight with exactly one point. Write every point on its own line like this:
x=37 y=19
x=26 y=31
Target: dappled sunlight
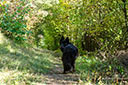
x=2 y=38
x=22 y=65
x=33 y=62
x=16 y=77
x=10 y=49
x=33 y=50
x=6 y=75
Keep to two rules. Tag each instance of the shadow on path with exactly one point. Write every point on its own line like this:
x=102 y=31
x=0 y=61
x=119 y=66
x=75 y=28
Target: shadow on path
x=56 y=77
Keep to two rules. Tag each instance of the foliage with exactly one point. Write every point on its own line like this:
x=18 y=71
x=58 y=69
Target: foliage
x=90 y=25
x=13 y=22
x=92 y=69
x=94 y=24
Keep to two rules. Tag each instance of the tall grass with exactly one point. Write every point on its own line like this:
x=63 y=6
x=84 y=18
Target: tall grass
x=19 y=65
x=91 y=69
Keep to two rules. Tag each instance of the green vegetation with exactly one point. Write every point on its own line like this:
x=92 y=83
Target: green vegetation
x=20 y=65
x=90 y=25
x=100 y=72
x=30 y=32
x=14 y=13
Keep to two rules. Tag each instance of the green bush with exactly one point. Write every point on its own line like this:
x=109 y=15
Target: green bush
x=93 y=69
x=12 y=19
x=96 y=24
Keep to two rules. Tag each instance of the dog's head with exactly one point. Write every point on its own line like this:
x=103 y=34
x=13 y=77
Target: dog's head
x=63 y=43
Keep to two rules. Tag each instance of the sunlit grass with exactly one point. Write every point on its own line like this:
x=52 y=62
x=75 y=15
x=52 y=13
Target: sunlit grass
x=2 y=38
x=21 y=66
x=15 y=77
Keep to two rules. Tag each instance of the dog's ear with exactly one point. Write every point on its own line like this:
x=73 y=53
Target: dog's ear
x=62 y=38
x=67 y=40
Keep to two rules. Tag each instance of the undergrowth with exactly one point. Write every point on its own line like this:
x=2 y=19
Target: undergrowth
x=19 y=65
x=96 y=71
x=24 y=65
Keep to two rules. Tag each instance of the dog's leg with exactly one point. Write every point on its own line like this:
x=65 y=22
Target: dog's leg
x=64 y=72
x=73 y=65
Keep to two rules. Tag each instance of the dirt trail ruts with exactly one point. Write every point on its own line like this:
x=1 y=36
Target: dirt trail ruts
x=55 y=76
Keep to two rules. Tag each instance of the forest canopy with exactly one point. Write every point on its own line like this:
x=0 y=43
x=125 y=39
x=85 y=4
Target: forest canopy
x=91 y=25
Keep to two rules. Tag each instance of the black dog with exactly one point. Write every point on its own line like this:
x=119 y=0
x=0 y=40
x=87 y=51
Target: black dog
x=70 y=53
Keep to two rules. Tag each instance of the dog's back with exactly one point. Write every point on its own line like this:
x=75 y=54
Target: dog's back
x=70 y=53
x=71 y=50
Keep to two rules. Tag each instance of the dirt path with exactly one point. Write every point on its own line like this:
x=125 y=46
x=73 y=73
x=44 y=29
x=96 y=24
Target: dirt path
x=55 y=77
